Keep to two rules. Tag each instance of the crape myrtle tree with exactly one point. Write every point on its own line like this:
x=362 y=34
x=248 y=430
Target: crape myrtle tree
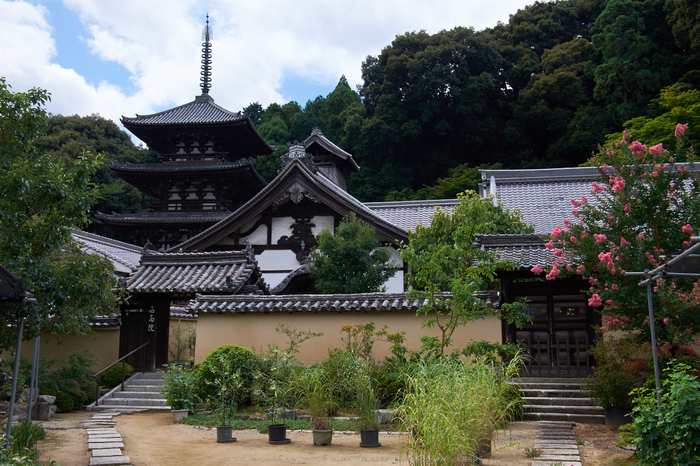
x=351 y=261
x=442 y=258
x=644 y=206
x=41 y=198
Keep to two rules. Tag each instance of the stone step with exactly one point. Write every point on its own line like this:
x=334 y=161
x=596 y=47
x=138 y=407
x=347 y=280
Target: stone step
x=595 y=410
x=556 y=401
x=547 y=386
x=579 y=418
x=139 y=394
x=569 y=380
x=140 y=381
x=127 y=409
x=554 y=393
x=132 y=402
x=142 y=388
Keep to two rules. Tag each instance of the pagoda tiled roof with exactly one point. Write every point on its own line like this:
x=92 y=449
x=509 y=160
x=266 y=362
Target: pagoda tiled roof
x=126 y=254
x=543 y=196
x=202 y=110
x=180 y=166
x=407 y=214
x=315 y=303
x=177 y=216
x=199 y=272
x=525 y=250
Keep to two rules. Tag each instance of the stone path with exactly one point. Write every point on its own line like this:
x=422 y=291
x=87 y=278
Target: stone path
x=558 y=445
x=104 y=442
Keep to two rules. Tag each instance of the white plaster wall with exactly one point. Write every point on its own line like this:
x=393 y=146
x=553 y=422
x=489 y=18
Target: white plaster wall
x=321 y=222
x=259 y=236
x=281 y=226
x=274 y=259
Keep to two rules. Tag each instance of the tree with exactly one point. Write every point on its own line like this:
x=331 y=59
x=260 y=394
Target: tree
x=644 y=206
x=352 y=261
x=442 y=258
x=41 y=198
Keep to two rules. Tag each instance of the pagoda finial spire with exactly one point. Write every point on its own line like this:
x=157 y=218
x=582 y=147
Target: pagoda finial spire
x=207 y=36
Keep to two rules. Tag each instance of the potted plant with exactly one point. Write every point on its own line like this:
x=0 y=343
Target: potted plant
x=613 y=378
x=366 y=405
x=316 y=396
x=179 y=391
x=277 y=432
x=223 y=405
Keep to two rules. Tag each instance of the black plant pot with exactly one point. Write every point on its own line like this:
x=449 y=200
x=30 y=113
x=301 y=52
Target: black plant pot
x=224 y=434
x=277 y=434
x=369 y=438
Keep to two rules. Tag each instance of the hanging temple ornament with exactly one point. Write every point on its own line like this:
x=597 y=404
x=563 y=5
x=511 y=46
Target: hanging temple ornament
x=207 y=36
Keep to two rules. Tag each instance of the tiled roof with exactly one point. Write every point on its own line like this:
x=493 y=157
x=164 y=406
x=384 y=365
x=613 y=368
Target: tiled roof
x=199 y=111
x=111 y=320
x=165 y=217
x=544 y=196
x=319 y=138
x=194 y=272
x=126 y=254
x=360 y=302
x=407 y=214
x=179 y=167
x=303 y=269
x=526 y=250
x=181 y=312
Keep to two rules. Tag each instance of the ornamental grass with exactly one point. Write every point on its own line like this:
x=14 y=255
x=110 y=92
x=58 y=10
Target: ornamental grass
x=452 y=407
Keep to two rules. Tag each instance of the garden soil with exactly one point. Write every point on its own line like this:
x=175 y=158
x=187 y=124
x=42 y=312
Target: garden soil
x=151 y=439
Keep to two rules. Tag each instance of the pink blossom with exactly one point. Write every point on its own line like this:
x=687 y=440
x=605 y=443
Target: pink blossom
x=573 y=239
x=610 y=302
x=584 y=200
x=655 y=174
x=567 y=222
x=575 y=203
x=549 y=245
x=580 y=269
x=614 y=286
x=624 y=242
x=599 y=238
x=557 y=232
x=574 y=213
x=656 y=150
x=595 y=301
x=597 y=188
x=584 y=234
x=687 y=228
x=557 y=252
x=638 y=149
x=537 y=269
x=628 y=207
x=682 y=169
x=553 y=274
x=686 y=244
x=680 y=129
x=666 y=320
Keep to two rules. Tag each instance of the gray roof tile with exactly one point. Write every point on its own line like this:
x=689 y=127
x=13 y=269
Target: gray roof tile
x=360 y=302
x=526 y=250
x=193 y=272
x=198 y=111
x=165 y=217
x=126 y=254
x=407 y=214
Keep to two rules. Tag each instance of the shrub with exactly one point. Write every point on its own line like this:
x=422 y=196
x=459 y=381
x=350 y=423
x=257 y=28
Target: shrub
x=343 y=371
x=113 y=376
x=670 y=435
x=68 y=378
x=220 y=364
x=179 y=387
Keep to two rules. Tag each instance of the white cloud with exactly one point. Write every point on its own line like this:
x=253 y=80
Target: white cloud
x=257 y=45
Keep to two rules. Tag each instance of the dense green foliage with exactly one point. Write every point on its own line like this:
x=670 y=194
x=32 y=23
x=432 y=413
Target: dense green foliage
x=41 y=198
x=68 y=378
x=351 y=261
x=179 y=387
x=442 y=257
x=113 y=376
x=669 y=436
x=222 y=365
x=21 y=451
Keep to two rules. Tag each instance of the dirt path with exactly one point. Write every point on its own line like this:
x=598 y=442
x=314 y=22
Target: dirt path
x=151 y=439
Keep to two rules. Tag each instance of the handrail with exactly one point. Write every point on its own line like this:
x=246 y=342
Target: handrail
x=96 y=376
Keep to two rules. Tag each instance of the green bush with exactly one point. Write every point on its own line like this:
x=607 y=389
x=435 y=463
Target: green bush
x=220 y=365
x=669 y=436
x=179 y=387
x=68 y=378
x=113 y=376
x=342 y=370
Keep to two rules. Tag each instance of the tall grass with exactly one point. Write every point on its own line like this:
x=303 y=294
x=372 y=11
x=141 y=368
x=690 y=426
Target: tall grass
x=452 y=408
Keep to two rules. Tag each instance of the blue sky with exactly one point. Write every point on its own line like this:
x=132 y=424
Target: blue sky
x=133 y=56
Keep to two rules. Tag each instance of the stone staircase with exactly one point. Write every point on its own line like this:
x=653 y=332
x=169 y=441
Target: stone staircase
x=142 y=392
x=558 y=399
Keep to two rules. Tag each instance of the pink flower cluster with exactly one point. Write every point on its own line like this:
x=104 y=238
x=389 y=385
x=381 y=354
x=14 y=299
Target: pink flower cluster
x=638 y=149
x=680 y=129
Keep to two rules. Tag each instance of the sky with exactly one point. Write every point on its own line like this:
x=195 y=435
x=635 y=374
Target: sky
x=129 y=57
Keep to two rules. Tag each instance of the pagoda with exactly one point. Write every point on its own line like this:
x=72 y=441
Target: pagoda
x=204 y=169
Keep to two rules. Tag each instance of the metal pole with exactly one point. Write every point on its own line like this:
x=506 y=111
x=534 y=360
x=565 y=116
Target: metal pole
x=32 y=379
x=18 y=349
x=654 y=348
